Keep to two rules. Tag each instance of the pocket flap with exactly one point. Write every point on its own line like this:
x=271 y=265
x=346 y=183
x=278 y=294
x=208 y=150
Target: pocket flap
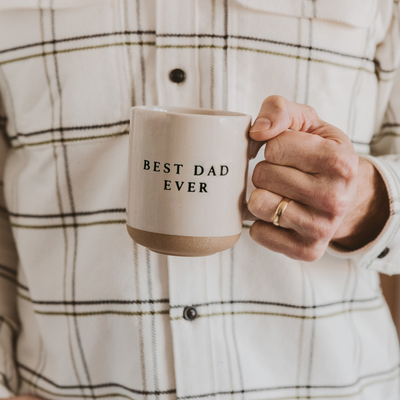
x=358 y=13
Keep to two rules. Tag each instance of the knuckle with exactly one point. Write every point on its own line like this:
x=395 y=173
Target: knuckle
x=311 y=118
x=325 y=232
x=310 y=111
x=275 y=150
x=278 y=104
x=309 y=253
x=343 y=164
x=256 y=233
x=314 y=255
x=276 y=100
x=334 y=202
x=321 y=230
x=256 y=202
x=258 y=173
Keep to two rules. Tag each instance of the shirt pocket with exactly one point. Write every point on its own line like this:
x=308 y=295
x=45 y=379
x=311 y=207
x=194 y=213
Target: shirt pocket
x=318 y=52
x=357 y=13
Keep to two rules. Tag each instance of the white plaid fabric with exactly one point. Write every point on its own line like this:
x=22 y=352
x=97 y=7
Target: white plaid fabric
x=85 y=312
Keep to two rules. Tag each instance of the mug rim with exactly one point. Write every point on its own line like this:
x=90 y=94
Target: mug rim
x=189 y=111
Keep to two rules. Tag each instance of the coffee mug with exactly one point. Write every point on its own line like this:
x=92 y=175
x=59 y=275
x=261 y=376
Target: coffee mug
x=187 y=179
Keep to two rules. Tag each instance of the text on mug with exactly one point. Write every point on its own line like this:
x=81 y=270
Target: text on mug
x=199 y=170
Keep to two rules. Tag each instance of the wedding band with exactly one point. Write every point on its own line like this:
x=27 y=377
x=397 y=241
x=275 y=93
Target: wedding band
x=280 y=210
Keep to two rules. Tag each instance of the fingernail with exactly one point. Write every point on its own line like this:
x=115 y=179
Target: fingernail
x=261 y=124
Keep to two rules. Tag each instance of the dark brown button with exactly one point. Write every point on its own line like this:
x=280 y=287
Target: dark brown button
x=177 y=75
x=189 y=313
x=384 y=253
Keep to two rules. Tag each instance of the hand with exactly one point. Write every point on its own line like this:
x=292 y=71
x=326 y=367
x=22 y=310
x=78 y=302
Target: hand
x=315 y=165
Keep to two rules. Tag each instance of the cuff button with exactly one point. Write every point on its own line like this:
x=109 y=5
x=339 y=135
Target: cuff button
x=384 y=253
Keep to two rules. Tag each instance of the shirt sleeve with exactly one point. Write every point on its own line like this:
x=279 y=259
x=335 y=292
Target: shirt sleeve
x=383 y=254
x=8 y=283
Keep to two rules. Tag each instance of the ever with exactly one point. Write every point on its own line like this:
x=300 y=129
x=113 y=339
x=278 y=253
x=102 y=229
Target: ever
x=191 y=186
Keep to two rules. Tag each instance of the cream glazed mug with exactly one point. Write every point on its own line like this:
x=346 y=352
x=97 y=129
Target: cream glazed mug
x=187 y=179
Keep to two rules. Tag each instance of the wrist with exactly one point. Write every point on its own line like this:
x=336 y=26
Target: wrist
x=368 y=212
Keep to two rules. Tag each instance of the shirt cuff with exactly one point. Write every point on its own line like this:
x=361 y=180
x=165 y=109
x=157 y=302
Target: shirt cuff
x=383 y=253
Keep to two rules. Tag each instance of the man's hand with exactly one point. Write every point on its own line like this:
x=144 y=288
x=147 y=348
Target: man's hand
x=335 y=195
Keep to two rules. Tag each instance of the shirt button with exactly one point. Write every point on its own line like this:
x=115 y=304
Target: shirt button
x=177 y=75
x=384 y=253
x=189 y=313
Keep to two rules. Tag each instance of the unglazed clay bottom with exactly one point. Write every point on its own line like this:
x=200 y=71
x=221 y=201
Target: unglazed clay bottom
x=184 y=246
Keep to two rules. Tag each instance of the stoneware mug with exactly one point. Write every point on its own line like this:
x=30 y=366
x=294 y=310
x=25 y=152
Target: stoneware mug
x=187 y=179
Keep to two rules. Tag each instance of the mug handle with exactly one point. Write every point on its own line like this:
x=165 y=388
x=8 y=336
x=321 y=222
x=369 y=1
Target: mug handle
x=252 y=151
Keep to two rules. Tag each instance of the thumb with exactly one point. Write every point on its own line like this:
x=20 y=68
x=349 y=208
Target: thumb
x=278 y=115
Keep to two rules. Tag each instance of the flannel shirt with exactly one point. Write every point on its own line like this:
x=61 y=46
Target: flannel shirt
x=85 y=313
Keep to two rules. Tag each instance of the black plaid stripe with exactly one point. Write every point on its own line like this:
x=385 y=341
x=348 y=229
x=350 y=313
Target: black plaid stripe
x=8 y=270
x=71 y=128
x=72 y=225
x=300 y=360
x=212 y=55
x=142 y=60
x=93 y=387
x=141 y=33
x=71 y=205
x=65 y=215
x=312 y=317
x=223 y=47
x=3 y=376
x=149 y=268
x=141 y=332
x=140 y=302
x=53 y=136
x=310 y=38
x=129 y=53
x=11 y=277
x=311 y=353
x=233 y=323
x=137 y=302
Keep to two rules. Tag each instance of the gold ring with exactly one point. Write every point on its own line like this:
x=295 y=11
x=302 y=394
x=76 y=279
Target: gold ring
x=280 y=210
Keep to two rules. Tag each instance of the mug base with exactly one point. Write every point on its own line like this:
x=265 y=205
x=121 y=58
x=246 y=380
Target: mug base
x=184 y=246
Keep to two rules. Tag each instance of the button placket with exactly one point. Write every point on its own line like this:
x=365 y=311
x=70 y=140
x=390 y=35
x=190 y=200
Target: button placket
x=177 y=77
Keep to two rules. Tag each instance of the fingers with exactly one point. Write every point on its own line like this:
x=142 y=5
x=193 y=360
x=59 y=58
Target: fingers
x=287 y=242
x=301 y=150
x=278 y=114
x=324 y=193
x=305 y=220
x=287 y=182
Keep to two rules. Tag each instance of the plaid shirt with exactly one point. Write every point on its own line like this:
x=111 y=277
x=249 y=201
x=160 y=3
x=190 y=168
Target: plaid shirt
x=87 y=313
